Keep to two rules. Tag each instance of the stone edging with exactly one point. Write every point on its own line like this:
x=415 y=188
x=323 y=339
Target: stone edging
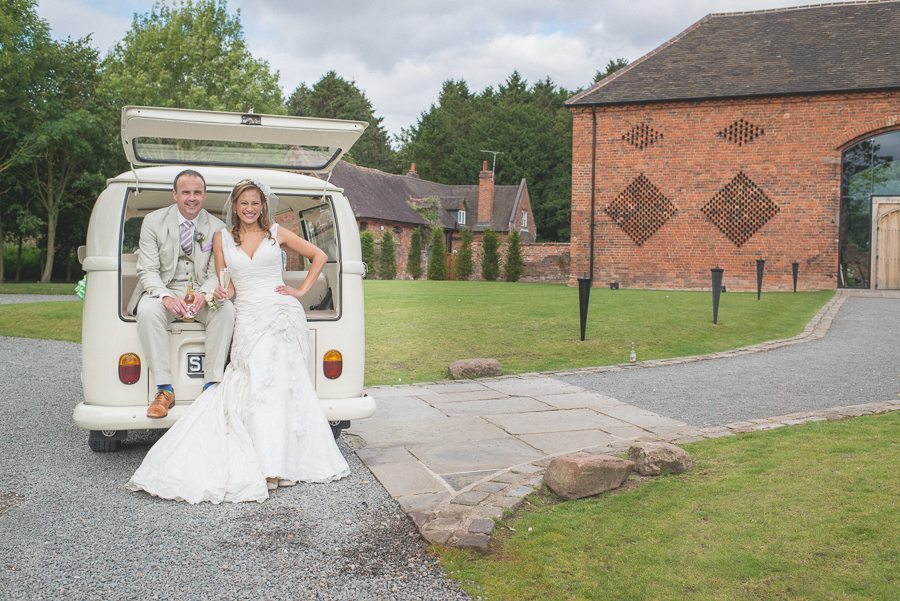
x=468 y=518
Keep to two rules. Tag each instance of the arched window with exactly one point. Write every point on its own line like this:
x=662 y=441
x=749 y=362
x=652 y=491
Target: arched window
x=869 y=168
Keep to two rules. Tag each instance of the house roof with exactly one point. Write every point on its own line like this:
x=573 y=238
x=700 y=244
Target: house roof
x=848 y=46
x=374 y=194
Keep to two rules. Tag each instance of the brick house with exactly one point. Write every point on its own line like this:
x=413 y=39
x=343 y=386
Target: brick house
x=771 y=135
x=401 y=203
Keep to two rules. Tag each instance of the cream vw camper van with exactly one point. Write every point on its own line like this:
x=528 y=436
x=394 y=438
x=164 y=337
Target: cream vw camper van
x=225 y=148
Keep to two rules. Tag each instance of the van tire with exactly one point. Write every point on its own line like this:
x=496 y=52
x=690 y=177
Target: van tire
x=337 y=427
x=106 y=441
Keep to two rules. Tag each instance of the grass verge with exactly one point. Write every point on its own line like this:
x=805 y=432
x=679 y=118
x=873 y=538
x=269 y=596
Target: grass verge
x=415 y=329
x=807 y=512
x=36 y=288
x=51 y=320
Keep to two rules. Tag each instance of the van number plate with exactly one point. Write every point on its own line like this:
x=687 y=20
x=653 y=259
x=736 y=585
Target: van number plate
x=195 y=365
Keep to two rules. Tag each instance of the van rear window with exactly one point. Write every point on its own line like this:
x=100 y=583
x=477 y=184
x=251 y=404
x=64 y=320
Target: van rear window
x=238 y=154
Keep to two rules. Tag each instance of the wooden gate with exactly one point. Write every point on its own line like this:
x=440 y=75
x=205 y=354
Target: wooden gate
x=887 y=247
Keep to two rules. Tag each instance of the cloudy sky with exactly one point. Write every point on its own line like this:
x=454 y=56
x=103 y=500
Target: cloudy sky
x=400 y=51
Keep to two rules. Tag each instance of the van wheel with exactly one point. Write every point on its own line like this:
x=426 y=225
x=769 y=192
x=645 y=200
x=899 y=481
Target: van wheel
x=106 y=441
x=337 y=427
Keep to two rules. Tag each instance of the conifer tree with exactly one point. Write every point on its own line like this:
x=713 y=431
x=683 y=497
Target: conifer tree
x=464 y=267
x=367 y=242
x=436 y=270
x=515 y=265
x=490 y=260
x=414 y=257
x=387 y=263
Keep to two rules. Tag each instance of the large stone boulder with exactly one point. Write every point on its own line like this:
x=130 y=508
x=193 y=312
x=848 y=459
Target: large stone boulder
x=467 y=369
x=655 y=458
x=576 y=477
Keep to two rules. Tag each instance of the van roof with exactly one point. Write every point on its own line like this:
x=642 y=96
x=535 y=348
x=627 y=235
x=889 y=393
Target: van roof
x=222 y=178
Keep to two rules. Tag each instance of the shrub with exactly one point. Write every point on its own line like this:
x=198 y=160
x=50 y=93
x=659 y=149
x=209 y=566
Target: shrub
x=515 y=265
x=414 y=257
x=436 y=270
x=367 y=242
x=387 y=263
x=490 y=260
x=464 y=267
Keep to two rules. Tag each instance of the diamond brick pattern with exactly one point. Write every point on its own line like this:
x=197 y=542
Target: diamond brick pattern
x=641 y=209
x=740 y=209
x=641 y=136
x=741 y=132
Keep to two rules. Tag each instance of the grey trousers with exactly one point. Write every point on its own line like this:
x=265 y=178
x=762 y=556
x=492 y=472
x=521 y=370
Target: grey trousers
x=153 y=320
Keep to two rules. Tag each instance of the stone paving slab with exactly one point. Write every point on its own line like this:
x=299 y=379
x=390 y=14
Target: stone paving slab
x=397 y=431
x=475 y=455
x=551 y=443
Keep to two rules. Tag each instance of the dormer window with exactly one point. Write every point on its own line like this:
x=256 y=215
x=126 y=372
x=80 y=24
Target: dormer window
x=461 y=217
x=524 y=220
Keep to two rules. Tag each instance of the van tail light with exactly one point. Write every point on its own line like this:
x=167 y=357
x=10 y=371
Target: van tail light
x=333 y=364
x=129 y=368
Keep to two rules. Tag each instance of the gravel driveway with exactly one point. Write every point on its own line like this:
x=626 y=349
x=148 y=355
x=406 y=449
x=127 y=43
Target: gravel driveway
x=856 y=362
x=69 y=529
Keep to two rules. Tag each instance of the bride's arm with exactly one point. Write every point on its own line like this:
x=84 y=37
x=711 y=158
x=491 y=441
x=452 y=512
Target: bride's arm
x=219 y=257
x=316 y=255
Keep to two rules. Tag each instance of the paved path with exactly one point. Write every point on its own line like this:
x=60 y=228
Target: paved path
x=455 y=455
x=12 y=299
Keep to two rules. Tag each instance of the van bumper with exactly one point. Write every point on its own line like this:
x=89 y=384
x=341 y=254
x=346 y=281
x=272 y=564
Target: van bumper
x=134 y=417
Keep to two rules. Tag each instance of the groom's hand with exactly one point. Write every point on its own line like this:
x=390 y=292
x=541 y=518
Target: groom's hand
x=174 y=305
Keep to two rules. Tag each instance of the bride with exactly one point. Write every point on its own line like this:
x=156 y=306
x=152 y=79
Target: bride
x=262 y=425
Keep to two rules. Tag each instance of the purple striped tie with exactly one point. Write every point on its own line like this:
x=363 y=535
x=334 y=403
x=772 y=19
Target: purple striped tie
x=187 y=237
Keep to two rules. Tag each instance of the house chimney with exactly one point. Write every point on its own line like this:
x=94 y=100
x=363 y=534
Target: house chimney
x=485 y=194
x=412 y=171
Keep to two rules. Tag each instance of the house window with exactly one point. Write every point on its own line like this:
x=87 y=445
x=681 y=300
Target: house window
x=363 y=226
x=461 y=217
x=524 y=220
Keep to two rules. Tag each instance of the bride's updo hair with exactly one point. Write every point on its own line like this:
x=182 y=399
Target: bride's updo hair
x=264 y=222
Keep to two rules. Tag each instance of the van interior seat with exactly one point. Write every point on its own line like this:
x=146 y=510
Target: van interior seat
x=291 y=278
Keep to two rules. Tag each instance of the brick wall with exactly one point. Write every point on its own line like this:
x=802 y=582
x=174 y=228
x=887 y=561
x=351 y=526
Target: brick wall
x=688 y=152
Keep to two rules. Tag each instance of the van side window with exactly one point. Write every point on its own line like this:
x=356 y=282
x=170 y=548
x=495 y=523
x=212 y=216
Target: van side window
x=318 y=228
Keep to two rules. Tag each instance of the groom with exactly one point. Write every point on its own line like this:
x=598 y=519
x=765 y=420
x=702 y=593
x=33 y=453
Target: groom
x=175 y=248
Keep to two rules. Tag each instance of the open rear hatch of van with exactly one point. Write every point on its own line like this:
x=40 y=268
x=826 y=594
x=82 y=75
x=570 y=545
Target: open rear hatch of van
x=166 y=136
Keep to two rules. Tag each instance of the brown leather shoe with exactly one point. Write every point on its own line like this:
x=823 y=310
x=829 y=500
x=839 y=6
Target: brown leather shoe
x=161 y=404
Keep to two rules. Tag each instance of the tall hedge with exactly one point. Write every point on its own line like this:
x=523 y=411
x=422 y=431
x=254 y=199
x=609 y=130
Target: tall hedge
x=387 y=261
x=436 y=270
x=414 y=257
x=464 y=267
x=490 y=260
x=515 y=264
x=367 y=242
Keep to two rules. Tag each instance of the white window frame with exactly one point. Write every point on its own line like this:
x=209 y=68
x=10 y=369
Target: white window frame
x=461 y=217
x=524 y=219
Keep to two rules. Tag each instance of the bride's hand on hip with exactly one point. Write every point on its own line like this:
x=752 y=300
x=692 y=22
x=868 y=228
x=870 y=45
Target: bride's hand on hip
x=288 y=291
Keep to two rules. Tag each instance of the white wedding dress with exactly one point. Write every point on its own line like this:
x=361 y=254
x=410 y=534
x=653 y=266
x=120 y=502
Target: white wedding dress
x=263 y=419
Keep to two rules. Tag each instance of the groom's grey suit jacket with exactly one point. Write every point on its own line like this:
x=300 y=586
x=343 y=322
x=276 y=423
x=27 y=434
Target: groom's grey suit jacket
x=160 y=247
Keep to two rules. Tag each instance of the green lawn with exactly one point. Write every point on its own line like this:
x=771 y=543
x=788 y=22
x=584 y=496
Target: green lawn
x=807 y=512
x=36 y=288
x=415 y=329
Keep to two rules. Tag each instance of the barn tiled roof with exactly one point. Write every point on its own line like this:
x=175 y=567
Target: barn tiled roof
x=848 y=46
x=374 y=194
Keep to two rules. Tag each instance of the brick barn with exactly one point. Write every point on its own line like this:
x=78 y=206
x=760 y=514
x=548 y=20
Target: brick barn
x=768 y=135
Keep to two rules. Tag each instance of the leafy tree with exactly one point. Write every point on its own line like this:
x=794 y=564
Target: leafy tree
x=192 y=55
x=515 y=265
x=464 y=267
x=436 y=269
x=414 y=256
x=68 y=139
x=24 y=40
x=387 y=264
x=611 y=67
x=367 y=242
x=490 y=260
x=333 y=97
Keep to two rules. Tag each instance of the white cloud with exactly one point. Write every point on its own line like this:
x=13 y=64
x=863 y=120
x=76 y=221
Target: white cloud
x=400 y=52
